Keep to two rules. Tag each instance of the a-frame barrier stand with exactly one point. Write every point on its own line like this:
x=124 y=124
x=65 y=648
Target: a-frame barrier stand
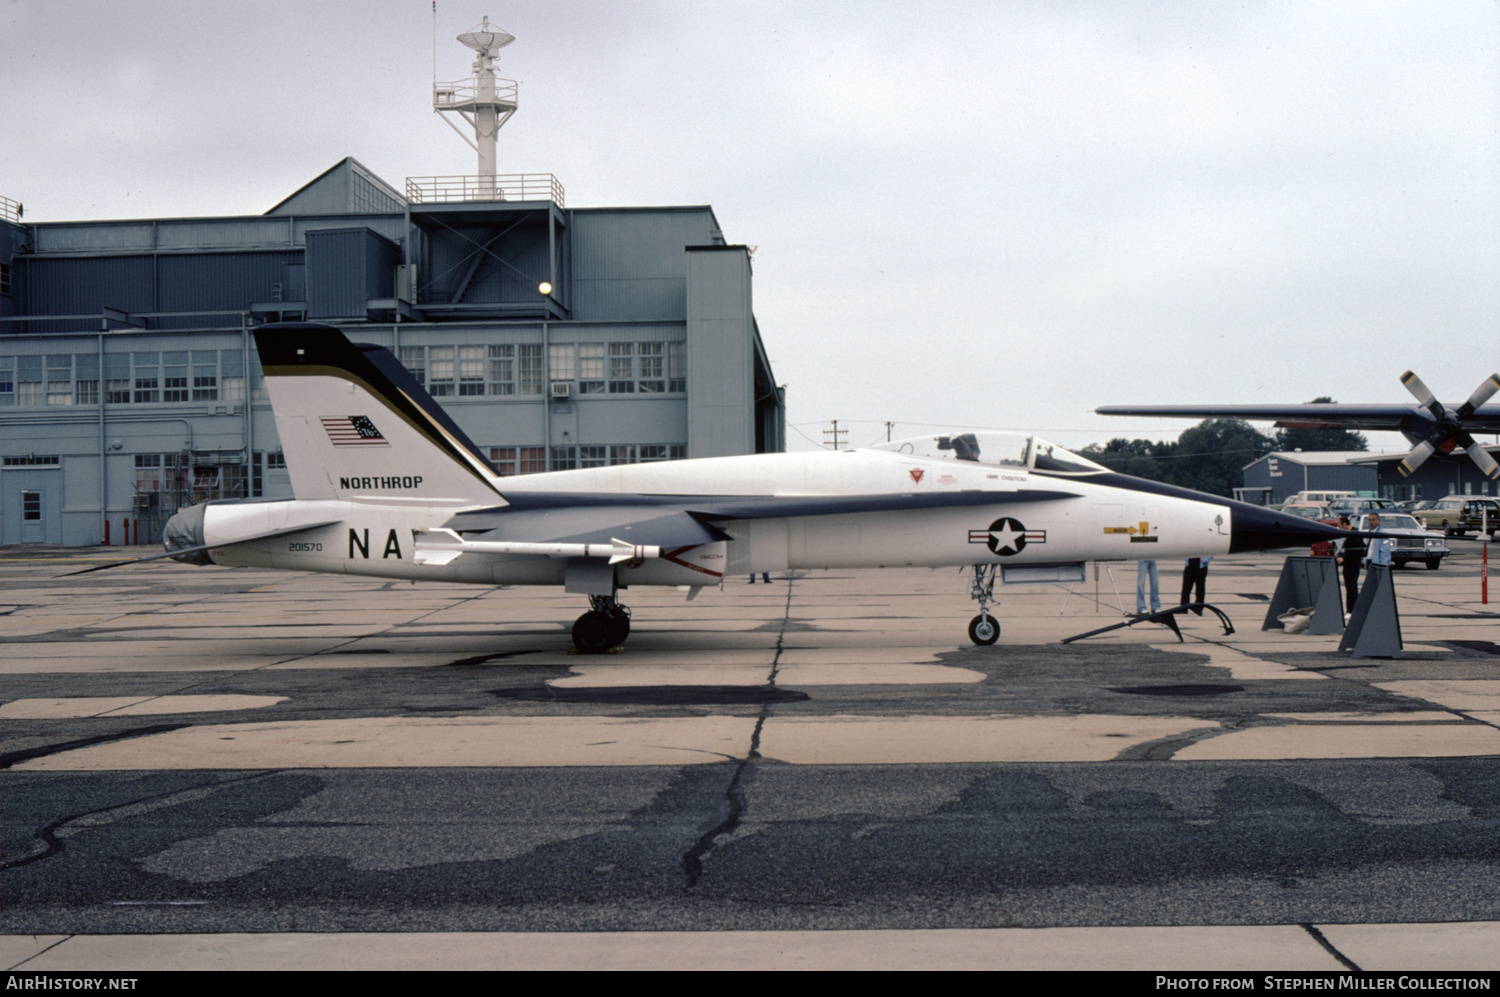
x=1374 y=629
x=1308 y=581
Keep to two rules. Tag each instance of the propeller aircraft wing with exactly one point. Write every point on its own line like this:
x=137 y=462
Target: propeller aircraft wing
x=1432 y=426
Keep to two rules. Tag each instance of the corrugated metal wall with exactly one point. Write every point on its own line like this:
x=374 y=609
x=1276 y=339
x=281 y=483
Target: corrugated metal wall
x=218 y=280
x=166 y=282
x=87 y=285
x=630 y=265
x=347 y=267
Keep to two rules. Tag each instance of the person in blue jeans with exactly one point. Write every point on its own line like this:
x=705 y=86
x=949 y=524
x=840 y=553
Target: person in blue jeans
x=1143 y=571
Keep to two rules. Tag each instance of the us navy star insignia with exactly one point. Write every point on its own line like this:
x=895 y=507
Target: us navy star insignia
x=1006 y=536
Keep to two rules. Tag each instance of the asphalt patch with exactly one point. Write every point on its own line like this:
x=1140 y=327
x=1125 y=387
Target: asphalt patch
x=1482 y=646
x=657 y=695
x=1177 y=690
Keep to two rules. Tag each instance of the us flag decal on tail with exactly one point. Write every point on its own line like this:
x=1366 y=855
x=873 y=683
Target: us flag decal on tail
x=352 y=431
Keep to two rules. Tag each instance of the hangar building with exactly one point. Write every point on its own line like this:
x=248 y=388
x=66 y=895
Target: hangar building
x=556 y=337
x=1278 y=476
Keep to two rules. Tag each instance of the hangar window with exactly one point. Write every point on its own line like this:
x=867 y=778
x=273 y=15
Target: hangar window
x=117 y=378
x=174 y=382
x=561 y=361
x=621 y=368
x=232 y=372
x=148 y=472
x=503 y=370
x=205 y=376
x=529 y=369
x=439 y=371
x=503 y=460
x=414 y=359
x=33 y=460
x=29 y=381
x=86 y=379
x=471 y=379
x=677 y=366
x=509 y=461
x=147 y=367
x=7 y=380
x=59 y=379
x=591 y=368
x=653 y=365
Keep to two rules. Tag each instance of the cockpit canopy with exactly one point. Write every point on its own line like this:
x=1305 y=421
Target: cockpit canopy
x=996 y=449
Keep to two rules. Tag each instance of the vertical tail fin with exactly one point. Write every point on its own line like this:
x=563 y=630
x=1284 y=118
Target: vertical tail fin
x=354 y=424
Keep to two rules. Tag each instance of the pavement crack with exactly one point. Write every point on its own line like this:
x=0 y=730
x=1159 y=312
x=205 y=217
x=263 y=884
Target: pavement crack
x=16 y=757
x=41 y=952
x=52 y=835
x=1318 y=937
x=734 y=793
x=1162 y=749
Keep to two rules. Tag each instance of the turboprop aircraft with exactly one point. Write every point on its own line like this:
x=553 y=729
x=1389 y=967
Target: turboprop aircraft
x=1431 y=425
x=387 y=484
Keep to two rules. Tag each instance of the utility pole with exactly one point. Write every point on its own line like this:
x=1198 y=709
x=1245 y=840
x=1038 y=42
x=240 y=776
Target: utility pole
x=836 y=433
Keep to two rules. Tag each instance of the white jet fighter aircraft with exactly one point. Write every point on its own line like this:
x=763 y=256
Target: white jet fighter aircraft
x=386 y=484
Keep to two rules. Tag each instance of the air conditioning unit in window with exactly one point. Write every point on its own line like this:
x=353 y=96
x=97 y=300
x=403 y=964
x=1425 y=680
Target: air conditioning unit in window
x=562 y=389
x=144 y=500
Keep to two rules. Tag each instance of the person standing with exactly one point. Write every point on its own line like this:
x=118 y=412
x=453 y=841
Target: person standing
x=1146 y=570
x=1350 y=554
x=1380 y=547
x=1195 y=577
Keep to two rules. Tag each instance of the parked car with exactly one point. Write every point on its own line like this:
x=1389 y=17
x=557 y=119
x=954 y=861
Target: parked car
x=1413 y=543
x=1458 y=515
x=1354 y=506
x=1306 y=510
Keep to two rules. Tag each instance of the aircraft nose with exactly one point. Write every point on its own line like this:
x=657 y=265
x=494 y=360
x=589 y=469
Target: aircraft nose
x=1254 y=528
x=184 y=530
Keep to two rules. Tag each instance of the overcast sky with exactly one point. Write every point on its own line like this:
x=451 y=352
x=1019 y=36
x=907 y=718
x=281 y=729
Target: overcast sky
x=996 y=215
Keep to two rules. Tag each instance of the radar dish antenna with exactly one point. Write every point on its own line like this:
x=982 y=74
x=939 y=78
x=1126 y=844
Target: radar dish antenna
x=484 y=101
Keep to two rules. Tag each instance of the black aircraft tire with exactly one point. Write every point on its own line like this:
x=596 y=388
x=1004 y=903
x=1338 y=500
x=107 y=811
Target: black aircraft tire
x=1433 y=565
x=591 y=633
x=984 y=630
x=619 y=628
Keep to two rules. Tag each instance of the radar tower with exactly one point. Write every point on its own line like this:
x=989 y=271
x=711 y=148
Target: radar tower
x=484 y=101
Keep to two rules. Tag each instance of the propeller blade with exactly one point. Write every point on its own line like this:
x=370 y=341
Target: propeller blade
x=1479 y=455
x=1423 y=394
x=1480 y=396
x=1416 y=458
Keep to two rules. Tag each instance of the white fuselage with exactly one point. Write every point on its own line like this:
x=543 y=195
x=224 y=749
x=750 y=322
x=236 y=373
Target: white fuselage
x=373 y=534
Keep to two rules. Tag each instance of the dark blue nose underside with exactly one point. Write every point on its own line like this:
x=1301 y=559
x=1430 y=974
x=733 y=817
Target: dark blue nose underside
x=1254 y=528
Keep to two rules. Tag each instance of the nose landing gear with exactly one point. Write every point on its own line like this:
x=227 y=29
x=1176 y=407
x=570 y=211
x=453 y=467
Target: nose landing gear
x=983 y=629
x=604 y=626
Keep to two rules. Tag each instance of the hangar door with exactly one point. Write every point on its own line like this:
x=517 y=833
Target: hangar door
x=31 y=511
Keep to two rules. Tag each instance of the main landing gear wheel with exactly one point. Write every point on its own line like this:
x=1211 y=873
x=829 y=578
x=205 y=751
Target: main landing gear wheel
x=619 y=627
x=592 y=632
x=984 y=630
x=604 y=626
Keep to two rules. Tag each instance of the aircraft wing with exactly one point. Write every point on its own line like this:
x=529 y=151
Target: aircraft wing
x=1311 y=415
x=683 y=520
